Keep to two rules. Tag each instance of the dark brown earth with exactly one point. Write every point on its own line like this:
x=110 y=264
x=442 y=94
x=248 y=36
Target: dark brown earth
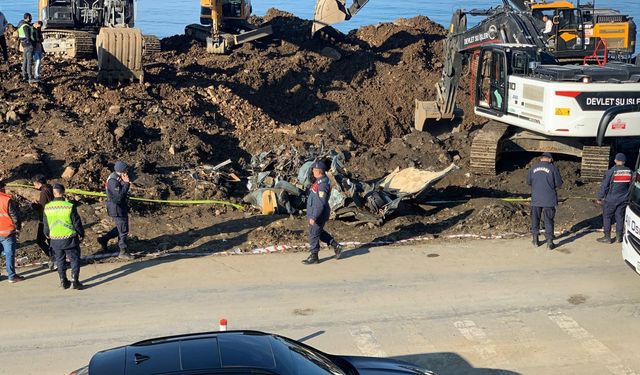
x=197 y=109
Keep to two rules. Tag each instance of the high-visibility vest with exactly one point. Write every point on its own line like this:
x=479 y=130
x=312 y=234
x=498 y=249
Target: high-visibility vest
x=58 y=215
x=22 y=34
x=7 y=226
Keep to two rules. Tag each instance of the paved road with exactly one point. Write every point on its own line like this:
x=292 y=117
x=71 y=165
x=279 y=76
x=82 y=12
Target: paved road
x=455 y=307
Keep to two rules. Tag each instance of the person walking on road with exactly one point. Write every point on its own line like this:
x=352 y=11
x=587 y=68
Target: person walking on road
x=9 y=226
x=38 y=50
x=63 y=226
x=318 y=212
x=26 y=34
x=544 y=179
x=46 y=196
x=3 y=39
x=613 y=195
x=117 y=187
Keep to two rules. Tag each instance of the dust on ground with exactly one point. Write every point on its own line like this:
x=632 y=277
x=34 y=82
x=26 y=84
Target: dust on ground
x=356 y=93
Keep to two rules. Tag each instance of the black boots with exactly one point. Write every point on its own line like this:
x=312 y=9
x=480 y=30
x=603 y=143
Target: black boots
x=619 y=237
x=103 y=244
x=337 y=249
x=312 y=259
x=65 y=283
x=535 y=241
x=606 y=239
x=550 y=245
x=124 y=254
x=77 y=285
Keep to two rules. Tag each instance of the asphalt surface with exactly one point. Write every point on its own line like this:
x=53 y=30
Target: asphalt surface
x=463 y=307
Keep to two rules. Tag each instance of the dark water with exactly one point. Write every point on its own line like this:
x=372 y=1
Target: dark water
x=166 y=17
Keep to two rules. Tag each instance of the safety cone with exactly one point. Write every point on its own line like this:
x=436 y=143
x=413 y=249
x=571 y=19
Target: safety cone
x=223 y=324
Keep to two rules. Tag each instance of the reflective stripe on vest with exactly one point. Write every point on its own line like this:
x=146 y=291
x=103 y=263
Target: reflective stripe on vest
x=7 y=226
x=58 y=215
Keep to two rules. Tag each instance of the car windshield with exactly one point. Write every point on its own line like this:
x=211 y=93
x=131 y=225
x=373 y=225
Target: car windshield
x=310 y=362
x=635 y=192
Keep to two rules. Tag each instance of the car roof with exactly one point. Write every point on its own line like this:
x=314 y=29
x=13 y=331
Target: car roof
x=190 y=352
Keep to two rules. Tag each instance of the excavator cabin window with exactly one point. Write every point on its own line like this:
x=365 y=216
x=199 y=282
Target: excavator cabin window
x=492 y=80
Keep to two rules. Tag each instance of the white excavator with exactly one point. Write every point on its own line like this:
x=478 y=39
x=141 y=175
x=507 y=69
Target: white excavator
x=535 y=97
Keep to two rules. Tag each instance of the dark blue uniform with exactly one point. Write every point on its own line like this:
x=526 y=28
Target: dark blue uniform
x=614 y=192
x=318 y=209
x=118 y=209
x=544 y=179
x=67 y=247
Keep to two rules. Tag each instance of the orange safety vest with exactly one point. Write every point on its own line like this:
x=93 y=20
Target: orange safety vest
x=7 y=226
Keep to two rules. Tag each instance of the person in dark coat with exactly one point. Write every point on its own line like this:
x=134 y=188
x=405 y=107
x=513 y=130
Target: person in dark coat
x=117 y=187
x=27 y=37
x=46 y=196
x=38 y=50
x=63 y=227
x=318 y=212
x=613 y=195
x=4 y=24
x=544 y=179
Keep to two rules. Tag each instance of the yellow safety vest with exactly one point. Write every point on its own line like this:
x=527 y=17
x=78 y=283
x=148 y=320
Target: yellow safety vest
x=58 y=215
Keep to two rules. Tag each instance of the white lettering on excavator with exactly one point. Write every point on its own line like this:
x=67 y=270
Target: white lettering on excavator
x=477 y=38
x=612 y=101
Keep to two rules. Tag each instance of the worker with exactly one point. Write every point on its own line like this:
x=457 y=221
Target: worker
x=544 y=179
x=613 y=195
x=318 y=212
x=117 y=187
x=548 y=27
x=26 y=35
x=9 y=226
x=3 y=39
x=38 y=50
x=46 y=195
x=63 y=226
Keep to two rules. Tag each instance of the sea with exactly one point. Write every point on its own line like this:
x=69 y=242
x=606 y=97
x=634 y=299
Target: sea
x=164 y=18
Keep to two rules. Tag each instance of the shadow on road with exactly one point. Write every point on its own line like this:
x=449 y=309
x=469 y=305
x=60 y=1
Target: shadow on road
x=447 y=363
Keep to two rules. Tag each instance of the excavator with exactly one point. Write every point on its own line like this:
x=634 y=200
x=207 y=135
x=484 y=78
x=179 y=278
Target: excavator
x=225 y=24
x=534 y=97
x=86 y=28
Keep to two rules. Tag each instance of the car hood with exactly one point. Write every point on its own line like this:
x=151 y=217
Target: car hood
x=384 y=366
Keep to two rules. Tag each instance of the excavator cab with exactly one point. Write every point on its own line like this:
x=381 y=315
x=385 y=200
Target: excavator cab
x=568 y=30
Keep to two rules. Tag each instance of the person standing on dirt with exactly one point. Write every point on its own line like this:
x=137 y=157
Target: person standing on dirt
x=9 y=226
x=613 y=195
x=46 y=195
x=318 y=212
x=117 y=187
x=544 y=179
x=3 y=39
x=63 y=226
x=26 y=35
x=38 y=50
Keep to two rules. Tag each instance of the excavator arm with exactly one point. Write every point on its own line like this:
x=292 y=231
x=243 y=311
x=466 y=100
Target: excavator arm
x=329 y=12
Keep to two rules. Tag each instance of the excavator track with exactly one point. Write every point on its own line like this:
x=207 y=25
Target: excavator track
x=70 y=44
x=595 y=162
x=151 y=45
x=486 y=147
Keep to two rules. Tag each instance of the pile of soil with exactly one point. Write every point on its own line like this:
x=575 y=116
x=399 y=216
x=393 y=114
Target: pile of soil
x=355 y=92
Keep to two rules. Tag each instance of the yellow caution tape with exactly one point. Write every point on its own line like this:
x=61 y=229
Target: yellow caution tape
x=161 y=201
x=510 y=200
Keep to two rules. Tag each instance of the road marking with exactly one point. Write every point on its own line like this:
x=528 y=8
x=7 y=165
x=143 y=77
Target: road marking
x=484 y=346
x=366 y=341
x=593 y=346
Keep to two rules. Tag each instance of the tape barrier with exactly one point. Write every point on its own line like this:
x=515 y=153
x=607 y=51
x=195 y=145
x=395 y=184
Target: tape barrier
x=510 y=200
x=160 y=201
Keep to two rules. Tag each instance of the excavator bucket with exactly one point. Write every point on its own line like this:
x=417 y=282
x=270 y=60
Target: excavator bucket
x=120 y=54
x=425 y=110
x=329 y=12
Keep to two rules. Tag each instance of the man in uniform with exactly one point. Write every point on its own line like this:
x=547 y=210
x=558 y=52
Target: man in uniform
x=318 y=212
x=9 y=226
x=26 y=34
x=46 y=196
x=544 y=179
x=613 y=195
x=117 y=187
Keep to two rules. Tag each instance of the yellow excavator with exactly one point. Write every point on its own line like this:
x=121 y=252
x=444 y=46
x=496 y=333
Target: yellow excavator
x=86 y=28
x=225 y=24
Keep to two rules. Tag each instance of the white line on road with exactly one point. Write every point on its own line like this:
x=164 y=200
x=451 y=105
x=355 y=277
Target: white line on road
x=484 y=346
x=593 y=346
x=366 y=341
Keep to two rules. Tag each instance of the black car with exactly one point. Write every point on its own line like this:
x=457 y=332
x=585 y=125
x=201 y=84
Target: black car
x=235 y=352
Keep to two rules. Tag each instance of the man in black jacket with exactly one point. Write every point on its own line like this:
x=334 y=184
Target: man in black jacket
x=63 y=226
x=26 y=35
x=117 y=188
x=613 y=195
x=544 y=179
x=46 y=196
